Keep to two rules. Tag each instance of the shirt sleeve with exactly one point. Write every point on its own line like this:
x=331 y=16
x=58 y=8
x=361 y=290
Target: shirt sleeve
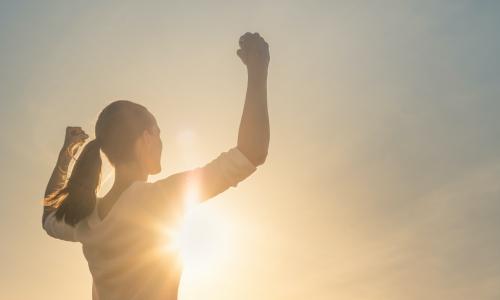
x=229 y=168
x=59 y=229
x=198 y=184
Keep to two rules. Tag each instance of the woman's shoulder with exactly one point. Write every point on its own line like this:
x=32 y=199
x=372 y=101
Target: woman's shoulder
x=154 y=200
x=142 y=193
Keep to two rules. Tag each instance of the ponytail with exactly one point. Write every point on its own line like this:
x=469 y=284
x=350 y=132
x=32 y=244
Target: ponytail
x=77 y=199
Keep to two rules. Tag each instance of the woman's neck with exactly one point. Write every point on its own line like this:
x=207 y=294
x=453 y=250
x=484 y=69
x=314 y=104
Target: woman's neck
x=122 y=182
x=125 y=175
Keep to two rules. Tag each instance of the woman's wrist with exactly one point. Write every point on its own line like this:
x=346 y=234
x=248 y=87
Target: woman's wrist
x=260 y=71
x=257 y=76
x=64 y=152
x=64 y=158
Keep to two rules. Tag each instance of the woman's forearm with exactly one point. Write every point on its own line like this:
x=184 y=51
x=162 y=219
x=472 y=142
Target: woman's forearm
x=58 y=177
x=254 y=133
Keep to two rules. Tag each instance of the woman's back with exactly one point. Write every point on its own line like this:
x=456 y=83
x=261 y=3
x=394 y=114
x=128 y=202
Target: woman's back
x=127 y=251
x=130 y=253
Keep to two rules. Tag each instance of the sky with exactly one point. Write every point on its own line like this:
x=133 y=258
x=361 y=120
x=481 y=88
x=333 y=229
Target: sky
x=382 y=179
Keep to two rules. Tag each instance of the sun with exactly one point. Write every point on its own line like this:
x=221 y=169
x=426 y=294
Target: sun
x=203 y=240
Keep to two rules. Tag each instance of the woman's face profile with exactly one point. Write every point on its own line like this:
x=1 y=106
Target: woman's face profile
x=149 y=149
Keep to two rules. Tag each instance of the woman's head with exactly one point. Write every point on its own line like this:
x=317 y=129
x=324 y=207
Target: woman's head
x=129 y=136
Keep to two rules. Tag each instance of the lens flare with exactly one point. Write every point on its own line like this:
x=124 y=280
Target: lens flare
x=202 y=240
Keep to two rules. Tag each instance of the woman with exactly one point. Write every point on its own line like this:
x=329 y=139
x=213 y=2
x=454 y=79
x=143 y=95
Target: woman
x=124 y=234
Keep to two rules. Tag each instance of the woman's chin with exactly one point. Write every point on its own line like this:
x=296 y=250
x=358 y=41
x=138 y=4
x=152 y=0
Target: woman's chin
x=155 y=171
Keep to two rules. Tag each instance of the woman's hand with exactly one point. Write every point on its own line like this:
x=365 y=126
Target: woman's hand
x=75 y=137
x=254 y=51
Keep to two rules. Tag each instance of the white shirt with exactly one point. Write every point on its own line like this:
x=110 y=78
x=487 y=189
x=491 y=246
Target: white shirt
x=128 y=252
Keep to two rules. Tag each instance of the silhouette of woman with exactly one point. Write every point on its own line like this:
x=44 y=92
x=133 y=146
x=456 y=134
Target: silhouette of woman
x=123 y=233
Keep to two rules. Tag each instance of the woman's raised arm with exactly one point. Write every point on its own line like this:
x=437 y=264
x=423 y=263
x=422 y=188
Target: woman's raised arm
x=239 y=162
x=253 y=135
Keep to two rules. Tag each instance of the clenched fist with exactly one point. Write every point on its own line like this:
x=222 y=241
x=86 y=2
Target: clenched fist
x=254 y=51
x=74 y=138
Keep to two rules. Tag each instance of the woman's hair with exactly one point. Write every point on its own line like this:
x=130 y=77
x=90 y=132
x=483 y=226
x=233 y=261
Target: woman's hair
x=118 y=126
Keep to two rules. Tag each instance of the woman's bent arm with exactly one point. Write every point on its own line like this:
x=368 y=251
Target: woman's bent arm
x=254 y=133
x=74 y=138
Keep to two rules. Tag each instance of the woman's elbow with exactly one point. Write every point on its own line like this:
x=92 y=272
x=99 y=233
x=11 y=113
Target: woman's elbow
x=260 y=159
x=256 y=154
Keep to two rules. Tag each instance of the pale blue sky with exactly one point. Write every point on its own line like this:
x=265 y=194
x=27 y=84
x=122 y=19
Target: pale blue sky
x=383 y=174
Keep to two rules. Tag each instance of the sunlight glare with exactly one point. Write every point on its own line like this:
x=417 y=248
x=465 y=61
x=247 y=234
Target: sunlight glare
x=203 y=239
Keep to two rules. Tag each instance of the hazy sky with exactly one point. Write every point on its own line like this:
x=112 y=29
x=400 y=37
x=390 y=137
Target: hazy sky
x=383 y=175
